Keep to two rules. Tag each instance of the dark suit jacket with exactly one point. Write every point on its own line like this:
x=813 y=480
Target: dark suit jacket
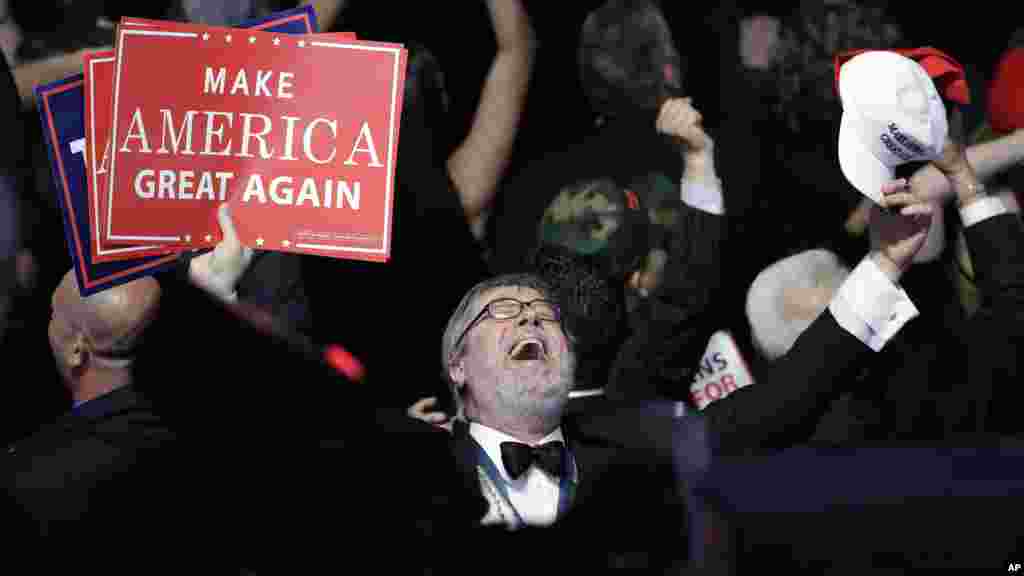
x=995 y=335
x=671 y=328
x=792 y=394
x=92 y=474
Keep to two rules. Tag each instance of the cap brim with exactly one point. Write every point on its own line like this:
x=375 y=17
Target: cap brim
x=860 y=167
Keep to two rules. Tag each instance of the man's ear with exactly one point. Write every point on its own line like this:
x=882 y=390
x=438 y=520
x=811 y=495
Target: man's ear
x=457 y=372
x=76 y=351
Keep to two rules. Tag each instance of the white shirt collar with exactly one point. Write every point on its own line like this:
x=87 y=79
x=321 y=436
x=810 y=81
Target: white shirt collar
x=574 y=394
x=490 y=440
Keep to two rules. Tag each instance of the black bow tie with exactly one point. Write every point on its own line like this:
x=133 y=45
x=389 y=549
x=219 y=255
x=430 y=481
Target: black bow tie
x=518 y=457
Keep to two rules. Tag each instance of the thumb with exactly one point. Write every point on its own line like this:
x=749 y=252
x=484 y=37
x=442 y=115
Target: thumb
x=227 y=225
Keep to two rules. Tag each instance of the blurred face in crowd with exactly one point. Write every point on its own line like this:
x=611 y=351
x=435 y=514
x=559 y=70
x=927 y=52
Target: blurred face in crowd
x=628 y=58
x=805 y=303
x=516 y=367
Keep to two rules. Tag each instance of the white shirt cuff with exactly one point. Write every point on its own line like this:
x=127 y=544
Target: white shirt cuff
x=982 y=209
x=869 y=306
x=702 y=196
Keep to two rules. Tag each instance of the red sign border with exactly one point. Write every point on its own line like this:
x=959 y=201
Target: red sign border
x=397 y=51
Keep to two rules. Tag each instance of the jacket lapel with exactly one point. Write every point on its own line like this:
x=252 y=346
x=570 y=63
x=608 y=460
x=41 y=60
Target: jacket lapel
x=464 y=450
x=592 y=458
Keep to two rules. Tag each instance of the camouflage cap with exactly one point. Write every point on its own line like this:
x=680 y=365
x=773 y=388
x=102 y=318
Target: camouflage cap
x=598 y=217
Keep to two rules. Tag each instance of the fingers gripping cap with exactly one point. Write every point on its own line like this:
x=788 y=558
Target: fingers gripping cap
x=892 y=115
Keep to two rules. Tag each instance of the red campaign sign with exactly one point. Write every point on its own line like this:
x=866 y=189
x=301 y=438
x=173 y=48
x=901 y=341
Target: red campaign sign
x=98 y=68
x=98 y=72
x=298 y=133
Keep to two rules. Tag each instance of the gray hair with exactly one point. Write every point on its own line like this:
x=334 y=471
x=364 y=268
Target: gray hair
x=463 y=315
x=772 y=332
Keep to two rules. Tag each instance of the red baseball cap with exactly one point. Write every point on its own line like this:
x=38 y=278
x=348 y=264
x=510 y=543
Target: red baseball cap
x=947 y=74
x=1006 y=92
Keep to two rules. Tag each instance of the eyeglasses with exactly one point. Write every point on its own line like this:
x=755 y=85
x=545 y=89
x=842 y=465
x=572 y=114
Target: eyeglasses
x=508 y=308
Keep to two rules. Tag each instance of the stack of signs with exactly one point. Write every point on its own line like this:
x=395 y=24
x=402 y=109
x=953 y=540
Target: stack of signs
x=721 y=372
x=297 y=131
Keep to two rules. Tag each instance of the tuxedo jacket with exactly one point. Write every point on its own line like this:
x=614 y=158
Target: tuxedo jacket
x=628 y=509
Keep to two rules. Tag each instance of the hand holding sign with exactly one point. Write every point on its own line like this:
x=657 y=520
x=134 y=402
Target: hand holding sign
x=218 y=271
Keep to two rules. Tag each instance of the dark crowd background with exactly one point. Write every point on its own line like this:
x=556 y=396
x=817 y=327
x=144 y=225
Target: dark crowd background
x=731 y=99
x=706 y=33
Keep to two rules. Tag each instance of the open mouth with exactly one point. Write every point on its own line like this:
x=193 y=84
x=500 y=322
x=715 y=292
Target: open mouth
x=528 y=349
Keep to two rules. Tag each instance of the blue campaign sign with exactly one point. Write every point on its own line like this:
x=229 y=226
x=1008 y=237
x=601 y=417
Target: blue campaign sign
x=301 y=20
x=61 y=107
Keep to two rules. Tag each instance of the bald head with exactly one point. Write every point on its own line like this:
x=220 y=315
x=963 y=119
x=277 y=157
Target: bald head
x=86 y=330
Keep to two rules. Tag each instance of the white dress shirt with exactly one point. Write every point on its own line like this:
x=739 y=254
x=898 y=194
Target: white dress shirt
x=535 y=494
x=982 y=209
x=704 y=196
x=872 y=308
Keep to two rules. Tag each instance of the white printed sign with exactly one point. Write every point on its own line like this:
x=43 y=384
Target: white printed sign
x=721 y=372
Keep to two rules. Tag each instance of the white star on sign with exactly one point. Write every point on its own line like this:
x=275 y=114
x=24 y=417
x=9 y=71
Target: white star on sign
x=259 y=241
x=227 y=38
x=277 y=41
x=285 y=243
x=302 y=43
x=209 y=238
x=252 y=39
x=206 y=36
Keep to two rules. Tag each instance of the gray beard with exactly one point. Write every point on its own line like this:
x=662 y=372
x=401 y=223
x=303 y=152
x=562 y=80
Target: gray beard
x=515 y=403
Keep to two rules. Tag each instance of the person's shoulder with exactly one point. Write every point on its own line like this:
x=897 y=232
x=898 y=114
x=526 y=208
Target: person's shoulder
x=625 y=431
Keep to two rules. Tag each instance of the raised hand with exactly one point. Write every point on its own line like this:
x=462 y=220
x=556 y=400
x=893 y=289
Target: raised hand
x=679 y=118
x=218 y=271
x=901 y=227
x=421 y=410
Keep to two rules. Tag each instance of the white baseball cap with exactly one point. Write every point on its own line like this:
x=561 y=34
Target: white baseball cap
x=892 y=115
